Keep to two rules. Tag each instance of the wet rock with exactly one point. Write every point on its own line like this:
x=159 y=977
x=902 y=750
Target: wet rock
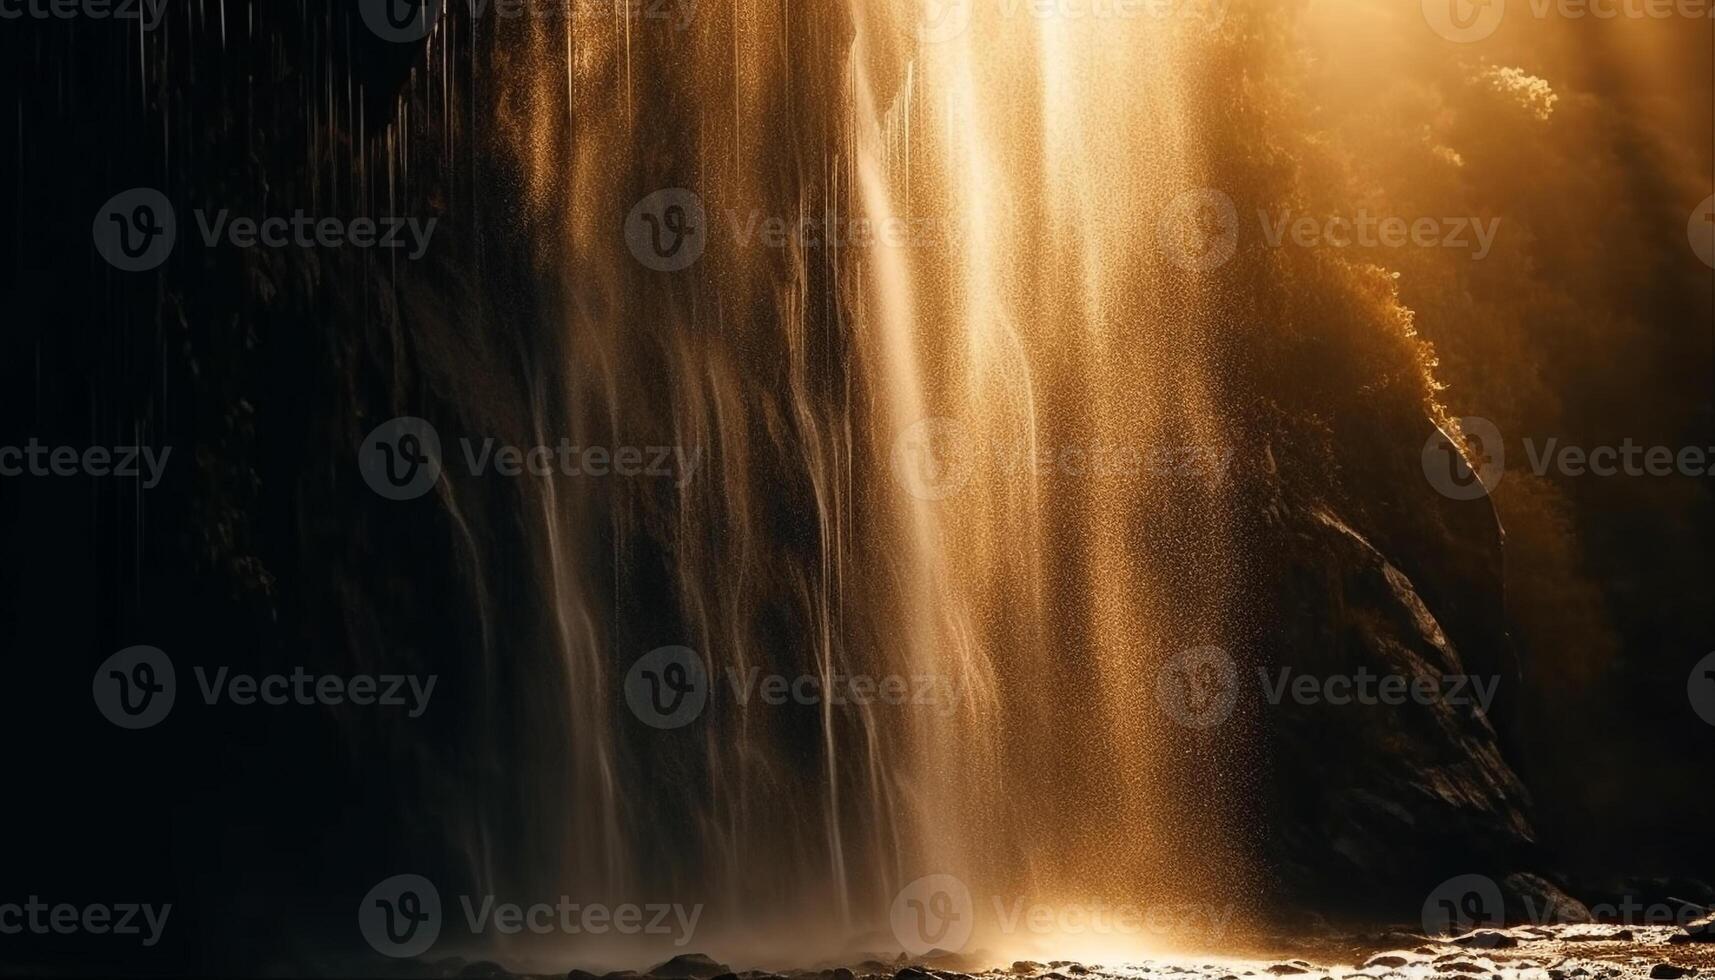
x=1026 y=966
x=1286 y=969
x=1667 y=971
x=690 y=966
x=1486 y=939
x=1413 y=782
x=1390 y=961
x=1460 y=966
x=1697 y=931
x=1535 y=899
x=1600 y=936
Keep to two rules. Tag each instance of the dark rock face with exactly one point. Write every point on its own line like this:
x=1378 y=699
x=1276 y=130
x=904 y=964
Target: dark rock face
x=1412 y=792
x=697 y=966
x=1532 y=898
x=1486 y=939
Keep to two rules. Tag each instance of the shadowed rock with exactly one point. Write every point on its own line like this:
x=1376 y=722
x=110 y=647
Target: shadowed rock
x=1486 y=939
x=690 y=966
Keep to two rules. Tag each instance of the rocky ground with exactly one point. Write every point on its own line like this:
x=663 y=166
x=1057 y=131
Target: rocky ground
x=1557 y=952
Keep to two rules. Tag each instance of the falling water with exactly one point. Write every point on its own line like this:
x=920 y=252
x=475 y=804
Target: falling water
x=907 y=451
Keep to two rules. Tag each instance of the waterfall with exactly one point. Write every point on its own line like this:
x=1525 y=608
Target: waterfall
x=962 y=438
